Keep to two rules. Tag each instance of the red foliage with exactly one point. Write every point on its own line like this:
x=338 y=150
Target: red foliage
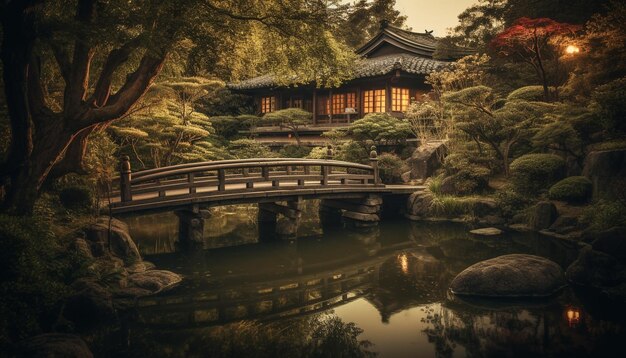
x=527 y=34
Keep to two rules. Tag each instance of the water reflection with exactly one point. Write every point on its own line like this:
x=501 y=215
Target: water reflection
x=386 y=286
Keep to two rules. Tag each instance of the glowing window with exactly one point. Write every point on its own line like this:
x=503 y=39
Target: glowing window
x=339 y=103
x=297 y=103
x=374 y=101
x=351 y=100
x=399 y=99
x=268 y=104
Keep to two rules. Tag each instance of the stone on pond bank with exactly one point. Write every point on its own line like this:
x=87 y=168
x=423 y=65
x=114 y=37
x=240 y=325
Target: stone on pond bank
x=487 y=231
x=154 y=280
x=111 y=237
x=54 y=345
x=516 y=275
x=543 y=215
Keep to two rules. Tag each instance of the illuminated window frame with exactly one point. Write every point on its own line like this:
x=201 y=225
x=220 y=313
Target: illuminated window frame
x=339 y=103
x=399 y=99
x=374 y=101
x=268 y=104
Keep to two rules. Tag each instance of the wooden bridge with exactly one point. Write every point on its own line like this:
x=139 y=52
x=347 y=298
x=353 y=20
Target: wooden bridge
x=351 y=192
x=247 y=181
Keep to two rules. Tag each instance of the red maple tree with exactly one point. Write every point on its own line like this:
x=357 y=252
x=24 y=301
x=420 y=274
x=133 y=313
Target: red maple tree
x=534 y=41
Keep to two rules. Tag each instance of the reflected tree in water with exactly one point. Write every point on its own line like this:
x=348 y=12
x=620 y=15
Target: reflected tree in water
x=324 y=335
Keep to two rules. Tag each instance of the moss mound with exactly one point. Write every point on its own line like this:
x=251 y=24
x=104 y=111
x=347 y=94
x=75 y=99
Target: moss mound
x=532 y=173
x=573 y=190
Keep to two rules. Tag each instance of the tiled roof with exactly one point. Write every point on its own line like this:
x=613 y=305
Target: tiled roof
x=369 y=67
x=415 y=56
x=383 y=65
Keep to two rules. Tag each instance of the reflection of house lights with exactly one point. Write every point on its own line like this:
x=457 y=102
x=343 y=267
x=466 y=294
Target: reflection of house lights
x=572 y=50
x=404 y=263
x=573 y=316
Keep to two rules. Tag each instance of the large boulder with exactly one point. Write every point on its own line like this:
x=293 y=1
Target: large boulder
x=426 y=159
x=612 y=242
x=154 y=280
x=111 y=237
x=419 y=203
x=606 y=170
x=595 y=269
x=52 y=345
x=542 y=215
x=514 y=275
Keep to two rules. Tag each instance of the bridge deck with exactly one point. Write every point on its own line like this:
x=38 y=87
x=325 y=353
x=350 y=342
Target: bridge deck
x=247 y=181
x=238 y=194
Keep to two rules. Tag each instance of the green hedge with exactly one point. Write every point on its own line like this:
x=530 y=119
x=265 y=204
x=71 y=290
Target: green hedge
x=76 y=197
x=391 y=168
x=532 y=173
x=573 y=190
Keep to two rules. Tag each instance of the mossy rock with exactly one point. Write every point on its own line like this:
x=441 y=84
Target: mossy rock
x=532 y=173
x=575 y=189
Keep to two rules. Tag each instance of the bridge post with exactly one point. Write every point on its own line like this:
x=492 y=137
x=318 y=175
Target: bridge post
x=221 y=180
x=191 y=227
x=125 y=176
x=374 y=164
x=325 y=168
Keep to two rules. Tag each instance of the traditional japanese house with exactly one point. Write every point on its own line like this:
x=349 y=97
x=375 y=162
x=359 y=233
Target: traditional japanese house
x=390 y=76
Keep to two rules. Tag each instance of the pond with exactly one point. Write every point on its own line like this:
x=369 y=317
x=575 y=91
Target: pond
x=346 y=292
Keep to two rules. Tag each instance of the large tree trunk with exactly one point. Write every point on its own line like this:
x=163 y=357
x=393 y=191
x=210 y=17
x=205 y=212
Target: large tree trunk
x=49 y=144
x=16 y=51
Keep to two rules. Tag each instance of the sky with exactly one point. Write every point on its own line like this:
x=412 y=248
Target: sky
x=437 y=15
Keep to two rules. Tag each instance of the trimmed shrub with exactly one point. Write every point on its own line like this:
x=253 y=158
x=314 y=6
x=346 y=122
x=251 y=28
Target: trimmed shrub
x=228 y=127
x=532 y=173
x=573 y=190
x=294 y=151
x=76 y=197
x=511 y=202
x=352 y=151
x=528 y=93
x=604 y=215
x=391 y=168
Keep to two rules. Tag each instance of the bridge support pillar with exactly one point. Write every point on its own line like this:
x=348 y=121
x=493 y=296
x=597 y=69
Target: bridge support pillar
x=285 y=225
x=357 y=212
x=191 y=227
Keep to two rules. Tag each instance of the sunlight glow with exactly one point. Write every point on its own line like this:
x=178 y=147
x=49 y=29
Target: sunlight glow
x=572 y=50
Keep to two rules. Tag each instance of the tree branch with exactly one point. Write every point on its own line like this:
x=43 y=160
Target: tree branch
x=76 y=89
x=114 y=60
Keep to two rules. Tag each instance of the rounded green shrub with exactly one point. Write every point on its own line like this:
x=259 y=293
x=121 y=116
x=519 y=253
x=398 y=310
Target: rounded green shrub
x=391 y=168
x=573 y=190
x=532 y=173
x=294 y=151
x=76 y=197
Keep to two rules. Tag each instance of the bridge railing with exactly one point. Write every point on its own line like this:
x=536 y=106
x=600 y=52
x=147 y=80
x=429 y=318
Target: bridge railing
x=245 y=175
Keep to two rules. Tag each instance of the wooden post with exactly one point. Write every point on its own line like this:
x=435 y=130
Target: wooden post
x=221 y=180
x=125 y=176
x=246 y=173
x=314 y=106
x=374 y=164
x=330 y=106
x=190 y=180
x=388 y=103
x=325 y=168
